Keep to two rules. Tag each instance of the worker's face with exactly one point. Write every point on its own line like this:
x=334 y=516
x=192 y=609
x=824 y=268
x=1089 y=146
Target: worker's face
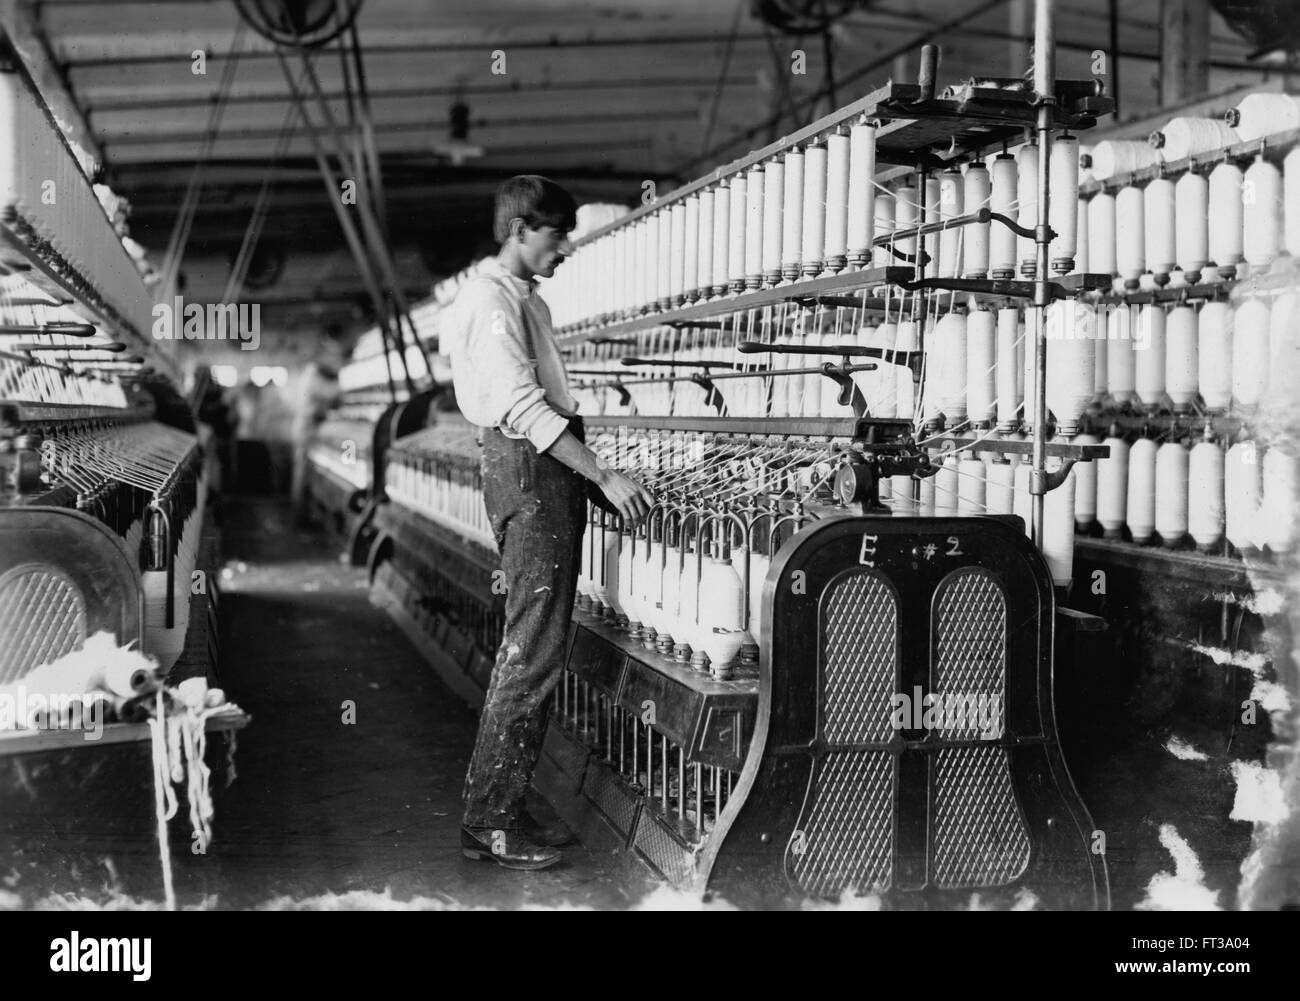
x=541 y=250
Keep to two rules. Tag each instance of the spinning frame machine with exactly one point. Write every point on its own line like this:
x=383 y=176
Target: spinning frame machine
x=379 y=403
x=102 y=492
x=724 y=715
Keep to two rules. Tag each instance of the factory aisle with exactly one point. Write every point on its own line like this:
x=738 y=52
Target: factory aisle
x=323 y=806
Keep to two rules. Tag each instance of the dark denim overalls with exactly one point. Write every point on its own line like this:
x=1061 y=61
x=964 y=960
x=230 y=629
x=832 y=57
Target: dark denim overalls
x=537 y=507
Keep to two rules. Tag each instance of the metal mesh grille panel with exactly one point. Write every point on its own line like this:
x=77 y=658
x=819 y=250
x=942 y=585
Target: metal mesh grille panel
x=861 y=627
x=970 y=665
x=42 y=617
x=980 y=838
x=611 y=798
x=663 y=852
x=846 y=843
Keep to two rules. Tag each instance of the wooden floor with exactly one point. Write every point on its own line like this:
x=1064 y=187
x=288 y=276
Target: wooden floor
x=320 y=808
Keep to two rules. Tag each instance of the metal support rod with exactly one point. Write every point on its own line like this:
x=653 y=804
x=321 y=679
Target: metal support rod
x=371 y=229
x=1045 y=86
x=332 y=189
x=663 y=773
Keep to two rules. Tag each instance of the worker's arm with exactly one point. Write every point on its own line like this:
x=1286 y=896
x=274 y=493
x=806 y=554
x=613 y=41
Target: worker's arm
x=630 y=497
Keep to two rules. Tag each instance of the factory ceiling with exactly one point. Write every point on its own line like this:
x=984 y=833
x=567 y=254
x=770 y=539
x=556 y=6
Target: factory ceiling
x=600 y=95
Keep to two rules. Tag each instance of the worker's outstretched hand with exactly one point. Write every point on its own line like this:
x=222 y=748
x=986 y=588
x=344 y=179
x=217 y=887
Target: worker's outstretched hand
x=627 y=495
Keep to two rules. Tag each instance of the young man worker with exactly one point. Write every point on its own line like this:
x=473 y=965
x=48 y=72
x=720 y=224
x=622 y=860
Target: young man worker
x=511 y=381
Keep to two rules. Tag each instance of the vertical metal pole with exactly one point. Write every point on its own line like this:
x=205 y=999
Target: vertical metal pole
x=681 y=782
x=663 y=769
x=1114 y=55
x=649 y=761
x=1045 y=88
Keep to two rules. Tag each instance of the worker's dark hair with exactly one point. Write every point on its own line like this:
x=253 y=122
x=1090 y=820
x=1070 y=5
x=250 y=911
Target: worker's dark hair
x=538 y=201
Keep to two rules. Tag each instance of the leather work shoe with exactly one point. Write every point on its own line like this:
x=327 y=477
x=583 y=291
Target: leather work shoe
x=551 y=835
x=509 y=849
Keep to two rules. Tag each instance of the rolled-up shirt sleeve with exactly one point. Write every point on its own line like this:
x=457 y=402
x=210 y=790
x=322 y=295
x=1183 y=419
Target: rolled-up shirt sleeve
x=495 y=382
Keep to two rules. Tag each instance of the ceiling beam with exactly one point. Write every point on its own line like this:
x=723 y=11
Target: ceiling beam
x=400 y=93
x=422 y=125
x=75 y=63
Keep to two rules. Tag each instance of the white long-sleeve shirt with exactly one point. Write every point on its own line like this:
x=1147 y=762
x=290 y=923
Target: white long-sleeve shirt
x=496 y=385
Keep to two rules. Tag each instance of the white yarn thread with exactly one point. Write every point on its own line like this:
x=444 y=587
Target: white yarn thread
x=1183 y=137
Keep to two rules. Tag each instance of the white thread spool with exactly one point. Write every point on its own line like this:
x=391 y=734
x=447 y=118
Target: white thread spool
x=652 y=261
x=884 y=225
x=1171 y=493
x=691 y=248
x=754 y=232
x=1002 y=200
x=792 y=217
x=946 y=368
x=704 y=252
x=1058 y=527
x=1008 y=331
x=1121 y=369
x=814 y=209
x=1101 y=355
x=1183 y=137
x=1063 y=206
x=999 y=485
x=1260 y=115
x=1158 y=206
x=1085 y=485
x=902 y=493
x=1192 y=231
x=907 y=340
x=1071 y=357
x=975 y=196
x=970 y=487
x=1214 y=355
x=736 y=236
x=981 y=368
x=862 y=193
x=951 y=194
x=663 y=295
x=677 y=252
x=926 y=493
x=773 y=221
x=1280 y=500
x=1023 y=349
x=1291 y=201
x=1130 y=235
x=885 y=393
x=1181 y=368
x=1205 y=495
x=931 y=242
x=1250 y=352
x=1112 y=487
x=1141 y=511
x=835 y=235
x=1022 y=504
x=907 y=214
x=1101 y=234
x=1082 y=264
x=1116 y=157
x=1028 y=371
x=945 y=486
x=721 y=237
x=1149 y=356
x=1261 y=201
x=1242 y=489
x=1225 y=218
x=1027 y=206
x=1283 y=346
